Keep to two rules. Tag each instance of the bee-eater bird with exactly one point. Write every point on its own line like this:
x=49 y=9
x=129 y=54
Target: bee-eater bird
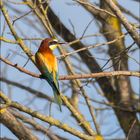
x=47 y=64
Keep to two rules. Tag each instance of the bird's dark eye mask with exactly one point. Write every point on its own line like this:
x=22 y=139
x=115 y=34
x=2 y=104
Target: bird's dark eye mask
x=53 y=43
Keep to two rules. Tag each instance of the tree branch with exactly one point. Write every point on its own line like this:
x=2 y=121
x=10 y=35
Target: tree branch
x=21 y=69
x=100 y=74
x=76 y=76
x=36 y=125
x=16 y=127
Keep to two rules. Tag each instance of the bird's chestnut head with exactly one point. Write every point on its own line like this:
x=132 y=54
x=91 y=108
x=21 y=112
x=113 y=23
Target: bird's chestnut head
x=50 y=43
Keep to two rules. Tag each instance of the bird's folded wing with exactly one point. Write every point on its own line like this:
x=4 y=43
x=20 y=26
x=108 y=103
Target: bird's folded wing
x=46 y=69
x=43 y=66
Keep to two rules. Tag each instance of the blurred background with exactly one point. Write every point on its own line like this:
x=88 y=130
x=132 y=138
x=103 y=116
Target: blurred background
x=82 y=24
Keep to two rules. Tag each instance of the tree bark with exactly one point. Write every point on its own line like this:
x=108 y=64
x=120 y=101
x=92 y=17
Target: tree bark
x=16 y=127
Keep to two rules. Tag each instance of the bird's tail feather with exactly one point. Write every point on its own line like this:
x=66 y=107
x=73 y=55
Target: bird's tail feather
x=58 y=99
x=57 y=96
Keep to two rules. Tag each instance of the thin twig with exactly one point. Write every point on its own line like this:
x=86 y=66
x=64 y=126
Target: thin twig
x=86 y=28
x=95 y=7
x=18 y=67
x=93 y=46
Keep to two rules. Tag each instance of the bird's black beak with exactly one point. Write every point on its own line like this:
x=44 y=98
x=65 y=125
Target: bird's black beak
x=61 y=43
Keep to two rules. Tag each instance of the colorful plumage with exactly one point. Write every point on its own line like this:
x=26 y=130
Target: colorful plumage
x=47 y=64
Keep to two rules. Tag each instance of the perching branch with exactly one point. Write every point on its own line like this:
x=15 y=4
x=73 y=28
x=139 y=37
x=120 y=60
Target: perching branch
x=76 y=76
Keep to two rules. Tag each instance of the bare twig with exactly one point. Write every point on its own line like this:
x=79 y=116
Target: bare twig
x=131 y=128
x=93 y=46
x=18 y=67
x=100 y=74
x=8 y=40
x=22 y=16
x=102 y=11
x=86 y=29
